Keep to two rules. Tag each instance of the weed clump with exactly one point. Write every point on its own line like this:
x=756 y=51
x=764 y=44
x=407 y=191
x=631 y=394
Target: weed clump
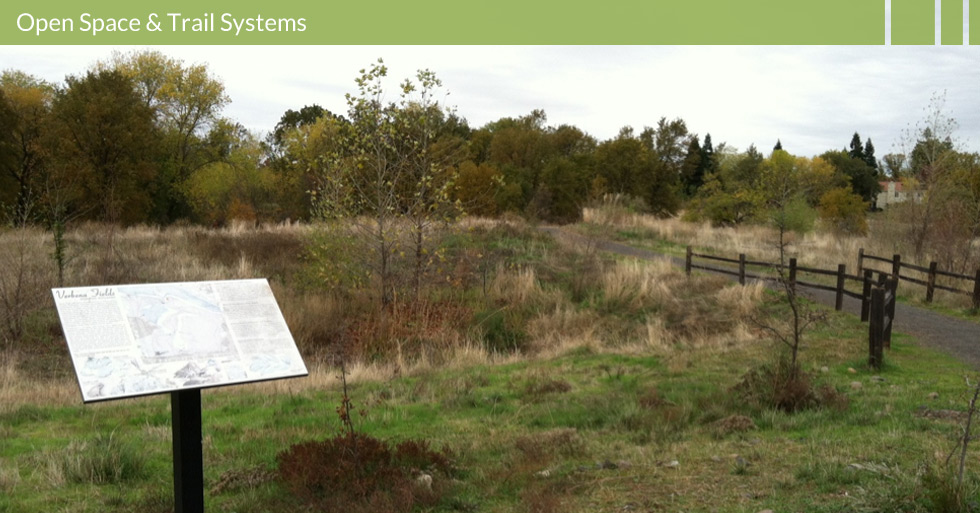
x=542 y=447
x=102 y=460
x=734 y=424
x=536 y=389
x=502 y=331
x=783 y=387
x=947 y=494
x=359 y=473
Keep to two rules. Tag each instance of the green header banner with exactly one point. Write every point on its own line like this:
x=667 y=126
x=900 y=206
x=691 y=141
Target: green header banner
x=613 y=22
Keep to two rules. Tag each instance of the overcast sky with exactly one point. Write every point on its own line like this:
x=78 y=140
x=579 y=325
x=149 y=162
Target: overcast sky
x=811 y=98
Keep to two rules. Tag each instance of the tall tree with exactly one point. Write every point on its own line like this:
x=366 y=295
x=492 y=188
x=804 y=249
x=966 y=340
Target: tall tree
x=931 y=163
x=894 y=165
x=869 y=155
x=862 y=178
x=633 y=165
x=9 y=161
x=110 y=140
x=565 y=178
x=692 y=169
x=385 y=170
x=27 y=105
x=186 y=100
x=930 y=156
x=708 y=155
x=668 y=141
x=233 y=186
x=290 y=119
x=857 y=149
x=301 y=158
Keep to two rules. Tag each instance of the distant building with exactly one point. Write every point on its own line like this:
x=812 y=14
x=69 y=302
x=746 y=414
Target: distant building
x=894 y=192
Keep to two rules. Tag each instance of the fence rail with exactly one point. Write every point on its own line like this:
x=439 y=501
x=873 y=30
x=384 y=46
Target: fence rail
x=931 y=273
x=839 y=288
x=877 y=296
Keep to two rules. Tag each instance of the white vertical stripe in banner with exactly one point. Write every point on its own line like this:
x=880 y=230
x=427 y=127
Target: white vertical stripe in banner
x=888 y=21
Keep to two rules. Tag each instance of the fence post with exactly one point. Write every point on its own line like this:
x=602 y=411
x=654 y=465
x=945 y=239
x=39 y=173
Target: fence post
x=741 y=268
x=687 y=262
x=976 y=290
x=860 y=261
x=875 y=327
x=896 y=265
x=931 y=282
x=889 y=308
x=841 y=272
x=866 y=295
x=792 y=274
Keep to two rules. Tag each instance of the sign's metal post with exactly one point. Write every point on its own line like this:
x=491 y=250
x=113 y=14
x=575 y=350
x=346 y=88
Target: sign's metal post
x=185 y=407
x=176 y=338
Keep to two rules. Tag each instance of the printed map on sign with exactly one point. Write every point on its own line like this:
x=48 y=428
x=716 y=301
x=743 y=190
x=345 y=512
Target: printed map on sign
x=132 y=340
x=177 y=323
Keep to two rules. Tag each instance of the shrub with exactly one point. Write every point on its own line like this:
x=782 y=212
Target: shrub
x=359 y=473
x=782 y=387
x=844 y=211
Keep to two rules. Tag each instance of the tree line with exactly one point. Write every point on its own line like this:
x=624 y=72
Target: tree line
x=141 y=138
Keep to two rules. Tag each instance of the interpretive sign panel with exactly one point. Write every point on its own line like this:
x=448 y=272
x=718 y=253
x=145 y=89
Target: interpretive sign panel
x=133 y=340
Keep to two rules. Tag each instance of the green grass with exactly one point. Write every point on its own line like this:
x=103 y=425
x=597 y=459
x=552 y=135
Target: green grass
x=565 y=415
x=645 y=239
x=601 y=427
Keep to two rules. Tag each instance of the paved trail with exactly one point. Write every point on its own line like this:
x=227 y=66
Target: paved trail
x=948 y=334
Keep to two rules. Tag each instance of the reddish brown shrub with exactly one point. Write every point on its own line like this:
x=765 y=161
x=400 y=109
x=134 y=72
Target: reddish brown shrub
x=408 y=328
x=359 y=473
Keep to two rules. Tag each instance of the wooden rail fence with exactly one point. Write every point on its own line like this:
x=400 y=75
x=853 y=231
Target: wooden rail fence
x=793 y=271
x=882 y=313
x=877 y=296
x=931 y=273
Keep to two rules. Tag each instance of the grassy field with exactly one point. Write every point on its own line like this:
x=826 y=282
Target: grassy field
x=557 y=380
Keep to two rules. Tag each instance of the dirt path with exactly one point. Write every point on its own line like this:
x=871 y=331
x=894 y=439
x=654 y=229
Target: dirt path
x=953 y=336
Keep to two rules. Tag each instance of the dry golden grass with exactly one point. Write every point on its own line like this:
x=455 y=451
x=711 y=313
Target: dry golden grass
x=415 y=340
x=25 y=278
x=18 y=389
x=818 y=248
x=634 y=283
x=9 y=478
x=564 y=329
x=520 y=286
x=821 y=248
x=326 y=376
x=740 y=300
